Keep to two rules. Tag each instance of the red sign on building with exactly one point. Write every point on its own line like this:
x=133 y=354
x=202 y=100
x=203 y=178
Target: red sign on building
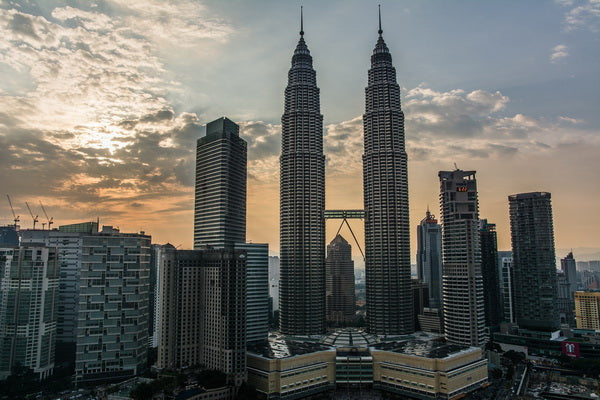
x=570 y=349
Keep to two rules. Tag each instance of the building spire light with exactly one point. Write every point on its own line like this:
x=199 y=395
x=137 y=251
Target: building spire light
x=301 y=21
x=380 y=31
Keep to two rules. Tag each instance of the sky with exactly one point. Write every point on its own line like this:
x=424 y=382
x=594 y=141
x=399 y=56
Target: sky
x=101 y=104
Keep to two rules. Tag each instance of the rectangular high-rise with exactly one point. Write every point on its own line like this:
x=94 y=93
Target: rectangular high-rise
x=463 y=301
x=534 y=260
x=429 y=257
x=339 y=272
x=28 y=308
x=220 y=202
x=587 y=309
x=203 y=310
x=490 y=274
x=112 y=328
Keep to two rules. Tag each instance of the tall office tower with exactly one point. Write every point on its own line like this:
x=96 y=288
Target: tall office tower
x=568 y=265
x=302 y=202
x=112 y=329
x=565 y=303
x=257 y=290
x=587 y=309
x=489 y=271
x=463 y=299
x=534 y=260
x=28 y=305
x=154 y=308
x=68 y=240
x=339 y=272
x=429 y=257
x=203 y=310
x=220 y=204
x=387 y=236
x=507 y=286
x=274 y=276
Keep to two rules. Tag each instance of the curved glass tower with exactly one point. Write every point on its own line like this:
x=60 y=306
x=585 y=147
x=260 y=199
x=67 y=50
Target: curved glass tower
x=387 y=236
x=302 y=202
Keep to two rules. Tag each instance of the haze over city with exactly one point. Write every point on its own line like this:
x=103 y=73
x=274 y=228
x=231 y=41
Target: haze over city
x=102 y=104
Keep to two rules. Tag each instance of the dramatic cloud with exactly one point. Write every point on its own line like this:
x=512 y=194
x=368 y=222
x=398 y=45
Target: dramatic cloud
x=584 y=14
x=558 y=52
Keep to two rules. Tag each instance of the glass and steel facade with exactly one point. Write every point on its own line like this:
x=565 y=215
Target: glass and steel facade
x=385 y=180
x=220 y=202
x=302 y=202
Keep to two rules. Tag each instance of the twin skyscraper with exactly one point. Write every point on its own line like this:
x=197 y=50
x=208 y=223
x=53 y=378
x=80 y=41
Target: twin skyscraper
x=302 y=201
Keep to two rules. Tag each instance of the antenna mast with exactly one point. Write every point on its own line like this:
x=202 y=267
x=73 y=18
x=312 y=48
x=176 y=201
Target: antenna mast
x=16 y=217
x=35 y=219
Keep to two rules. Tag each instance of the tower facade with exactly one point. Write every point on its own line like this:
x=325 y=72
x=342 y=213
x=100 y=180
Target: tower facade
x=534 y=260
x=429 y=257
x=463 y=301
x=29 y=280
x=302 y=201
x=490 y=274
x=341 y=299
x=220 y=204
x=387 y=236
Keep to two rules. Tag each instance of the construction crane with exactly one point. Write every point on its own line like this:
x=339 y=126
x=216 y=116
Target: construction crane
x=50 y=220
x=16 y=217
x=35 y=219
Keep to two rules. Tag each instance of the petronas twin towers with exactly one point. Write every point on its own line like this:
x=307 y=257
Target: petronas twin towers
x=302 y=201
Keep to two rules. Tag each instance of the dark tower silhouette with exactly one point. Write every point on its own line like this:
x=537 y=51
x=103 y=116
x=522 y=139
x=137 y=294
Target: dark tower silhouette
x=302 y=201
x=387 y=236
x=339 y=270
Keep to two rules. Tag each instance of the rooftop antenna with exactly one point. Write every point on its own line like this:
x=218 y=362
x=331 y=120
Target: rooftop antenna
x=301 y=21
x=50 y=220
x=15 y=217
x=35 y=219
x=380 y=31
x=455 y=166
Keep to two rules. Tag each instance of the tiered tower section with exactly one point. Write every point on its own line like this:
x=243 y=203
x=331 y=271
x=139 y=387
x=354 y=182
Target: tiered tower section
x=302 y=202
x=387 y=236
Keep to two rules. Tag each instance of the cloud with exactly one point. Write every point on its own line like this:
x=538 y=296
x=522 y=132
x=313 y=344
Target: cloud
x=584 y=14
x=558 y=52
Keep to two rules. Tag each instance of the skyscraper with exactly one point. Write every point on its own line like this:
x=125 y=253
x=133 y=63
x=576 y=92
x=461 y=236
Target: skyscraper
x=220 y=204
x=387 y=236
x=568 y=266
x=112 y=326
x=507 y=285
x=429 y=257
x=534 y=260
x=28 y=305
x=464 y=317
x=203 y=310
x=302 y=201
x=339 y=270
x=489 y=272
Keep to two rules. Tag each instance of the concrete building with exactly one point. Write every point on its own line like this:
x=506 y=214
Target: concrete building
x=68 y=240
x=489 y=272
x=220 y=193
x=339 y=272
x=463 y=297
x=565 y=303
x=413 y=366
x=203 y=310
x=29 y=276
x=257 y=290
x=385 y=182
x=302 y=201
x=429 y=257
x=587 y=309
x=9 y=235
x=112 y=328
x=534 y=261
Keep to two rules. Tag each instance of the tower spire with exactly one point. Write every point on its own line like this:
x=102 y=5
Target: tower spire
x=301 y=21
x=380 y=31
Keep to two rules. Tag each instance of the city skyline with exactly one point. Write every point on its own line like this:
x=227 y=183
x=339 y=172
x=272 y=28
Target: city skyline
x=101 y=122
